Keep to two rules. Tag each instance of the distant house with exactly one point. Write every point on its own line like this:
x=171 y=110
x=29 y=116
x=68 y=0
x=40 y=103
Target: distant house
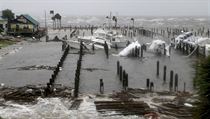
x=3 y=25
x=24 y=25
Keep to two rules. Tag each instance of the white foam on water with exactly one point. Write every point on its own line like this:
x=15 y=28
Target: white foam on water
x=54 y=108
x=15 y=50
x=127 y=50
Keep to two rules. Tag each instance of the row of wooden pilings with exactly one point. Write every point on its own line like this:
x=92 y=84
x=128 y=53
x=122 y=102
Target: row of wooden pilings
x=58 y=68
x=138 y=51
x=78 y=71
x=165 y=32
x=123 y=76
x=172 y=32
x=173 y=81
x=187 y=48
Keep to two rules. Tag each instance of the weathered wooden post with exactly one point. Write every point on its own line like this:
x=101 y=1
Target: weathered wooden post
x=187 y=48
x=124 y=80
x=106 y=49
x=121 y=73
x=151 y=86
x=116 y=47
x=118 y=67
x=158 y=65
x=141 y=52
x=164 y=49
x=93 y=47
x=63 y=46
x=171 y=80
x=147 y=84
x=184 y=87
x=176 y=83
x=101 y=86
x=126 y=84
x=164 y=73
x=136 y=52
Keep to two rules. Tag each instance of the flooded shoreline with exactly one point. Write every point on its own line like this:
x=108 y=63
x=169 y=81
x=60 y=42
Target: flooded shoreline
x=35 y=62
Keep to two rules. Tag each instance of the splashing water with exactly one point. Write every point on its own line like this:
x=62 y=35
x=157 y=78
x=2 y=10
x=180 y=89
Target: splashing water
x=54 y=108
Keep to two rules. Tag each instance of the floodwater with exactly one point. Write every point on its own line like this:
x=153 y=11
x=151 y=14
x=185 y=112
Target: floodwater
x=138 y=69
x=28 y=54
x=42 y=53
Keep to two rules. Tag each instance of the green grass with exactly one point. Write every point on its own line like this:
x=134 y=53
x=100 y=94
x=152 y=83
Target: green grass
x=202 y=109
x=5 y=43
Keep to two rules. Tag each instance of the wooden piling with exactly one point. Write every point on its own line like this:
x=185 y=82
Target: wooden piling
x=151 y=86
x=171 y=80
x=101 y=86
x=164 y=74
x=158 y=65
x=142 y=52
x=93 y=47
x=164 y=49
x=106 y=49
x=176 y=83
x=118 y=67
x=148 y=84
x=126 y=78
x=121 y=73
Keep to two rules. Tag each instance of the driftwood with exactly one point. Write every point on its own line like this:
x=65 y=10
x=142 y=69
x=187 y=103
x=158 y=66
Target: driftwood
x=35 y=67
x=123 y=107
x=31 y=93
x=75 y=105
x=178 y=111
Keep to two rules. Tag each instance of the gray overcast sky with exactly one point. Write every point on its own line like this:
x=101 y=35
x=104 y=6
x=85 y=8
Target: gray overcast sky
x=103 y=7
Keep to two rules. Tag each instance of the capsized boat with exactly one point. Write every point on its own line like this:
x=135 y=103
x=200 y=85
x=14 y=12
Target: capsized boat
x=158 y=46
x=126 y=51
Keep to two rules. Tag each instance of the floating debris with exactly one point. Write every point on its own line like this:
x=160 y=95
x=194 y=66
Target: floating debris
x=123 y=107
x=75 y=104
x=35 y=67
x=178 y=111
x=31 y=92
x=94 y=69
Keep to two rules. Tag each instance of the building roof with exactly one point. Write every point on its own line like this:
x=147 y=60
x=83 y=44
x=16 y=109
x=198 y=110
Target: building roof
x=28 y=17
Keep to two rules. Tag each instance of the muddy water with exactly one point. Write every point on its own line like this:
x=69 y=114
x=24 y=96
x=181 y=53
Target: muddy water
x=42 y=53
x=138 y=70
